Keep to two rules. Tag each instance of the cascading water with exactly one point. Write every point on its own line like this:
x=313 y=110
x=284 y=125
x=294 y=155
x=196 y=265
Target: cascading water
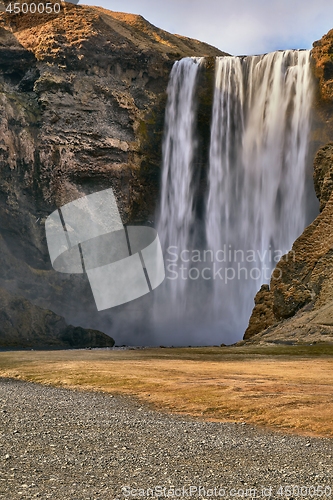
x=258 y=153
x=255 y=200
x=176 y=218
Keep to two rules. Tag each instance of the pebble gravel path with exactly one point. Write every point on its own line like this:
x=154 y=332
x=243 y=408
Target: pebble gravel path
x=71 y=445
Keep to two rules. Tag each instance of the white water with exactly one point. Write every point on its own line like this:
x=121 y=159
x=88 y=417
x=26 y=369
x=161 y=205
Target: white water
x=176 y=208
x=258 y=153
x=255 y=200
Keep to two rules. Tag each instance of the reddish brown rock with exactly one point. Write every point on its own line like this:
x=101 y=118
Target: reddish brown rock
x=262 y=316
x=323 y=174
x=322 y=54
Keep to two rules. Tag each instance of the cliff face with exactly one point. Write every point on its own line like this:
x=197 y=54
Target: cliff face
x=96 y=82
x=298 y=304
x=322 y=53
x=82 y=97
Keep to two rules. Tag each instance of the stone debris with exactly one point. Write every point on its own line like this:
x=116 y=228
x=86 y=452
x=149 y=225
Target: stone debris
x=79 y=445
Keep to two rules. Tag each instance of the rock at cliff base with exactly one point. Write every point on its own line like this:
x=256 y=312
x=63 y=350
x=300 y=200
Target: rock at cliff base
x=24 y=325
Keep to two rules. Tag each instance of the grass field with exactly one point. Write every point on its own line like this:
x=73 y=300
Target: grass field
x=288 y=388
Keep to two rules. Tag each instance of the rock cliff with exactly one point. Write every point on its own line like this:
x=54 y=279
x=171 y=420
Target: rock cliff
x=297 y=307
x=82 y=97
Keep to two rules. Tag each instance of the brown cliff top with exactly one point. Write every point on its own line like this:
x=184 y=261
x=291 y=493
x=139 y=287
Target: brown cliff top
x=46 y=35
x=322 y=54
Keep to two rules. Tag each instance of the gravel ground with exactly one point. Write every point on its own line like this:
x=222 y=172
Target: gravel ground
x=62 y=444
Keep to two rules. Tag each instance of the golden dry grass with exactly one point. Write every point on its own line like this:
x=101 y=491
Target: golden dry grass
x=274 y=388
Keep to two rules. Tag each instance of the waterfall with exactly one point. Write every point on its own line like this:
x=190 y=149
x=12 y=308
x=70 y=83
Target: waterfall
x=258 y=152
x=176 y=208
x=256 y=186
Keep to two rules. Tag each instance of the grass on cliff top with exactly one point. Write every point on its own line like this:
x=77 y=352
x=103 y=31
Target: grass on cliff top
x=289 y=388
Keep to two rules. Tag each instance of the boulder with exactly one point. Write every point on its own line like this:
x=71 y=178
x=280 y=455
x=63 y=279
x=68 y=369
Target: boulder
x=24 y=325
